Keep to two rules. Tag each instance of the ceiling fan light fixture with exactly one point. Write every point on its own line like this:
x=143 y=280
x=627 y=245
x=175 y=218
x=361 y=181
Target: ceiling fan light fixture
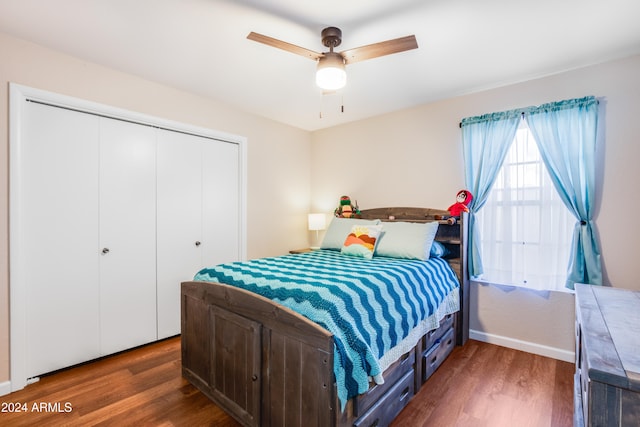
x=331 y=74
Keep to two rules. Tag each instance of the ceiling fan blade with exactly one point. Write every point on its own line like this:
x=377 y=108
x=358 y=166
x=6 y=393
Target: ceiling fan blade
x=270 y=41
x=379 y=49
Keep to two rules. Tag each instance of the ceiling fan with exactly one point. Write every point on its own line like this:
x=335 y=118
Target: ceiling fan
x=330 y=74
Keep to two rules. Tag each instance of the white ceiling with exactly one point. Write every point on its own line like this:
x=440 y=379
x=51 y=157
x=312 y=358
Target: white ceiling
x=200 y=46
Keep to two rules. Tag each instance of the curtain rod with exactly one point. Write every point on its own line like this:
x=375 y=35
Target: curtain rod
x=586 y=98
x=460 y=124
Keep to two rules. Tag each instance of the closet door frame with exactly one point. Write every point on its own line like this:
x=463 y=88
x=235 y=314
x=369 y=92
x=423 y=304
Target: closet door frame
x=19 y=95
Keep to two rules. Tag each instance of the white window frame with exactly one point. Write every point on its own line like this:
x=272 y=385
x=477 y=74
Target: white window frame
x=526 y=252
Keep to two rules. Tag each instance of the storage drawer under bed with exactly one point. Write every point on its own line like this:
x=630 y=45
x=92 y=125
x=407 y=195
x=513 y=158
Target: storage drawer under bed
x=393 y=374
x=433 y=357
x=430 y=338
x=404 y=376
x=390 y=405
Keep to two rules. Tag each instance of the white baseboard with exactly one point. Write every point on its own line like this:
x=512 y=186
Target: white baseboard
x=5 y=388
x=529 y=347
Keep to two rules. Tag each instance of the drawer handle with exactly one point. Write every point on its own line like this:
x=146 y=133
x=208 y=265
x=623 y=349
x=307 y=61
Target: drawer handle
x=404 y=395
x=254 y=377
x=105 y=250
x=198 y=243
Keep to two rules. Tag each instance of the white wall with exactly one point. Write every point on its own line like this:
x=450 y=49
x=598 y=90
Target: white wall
x=414 y=158
x=278 y=155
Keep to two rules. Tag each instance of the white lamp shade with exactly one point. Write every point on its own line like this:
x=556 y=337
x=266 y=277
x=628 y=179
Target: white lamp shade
x=317 y=221
x=331 y=74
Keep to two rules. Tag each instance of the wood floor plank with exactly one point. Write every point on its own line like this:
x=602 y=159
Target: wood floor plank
x=562 y=393
x=478 y=385
x=488 y=385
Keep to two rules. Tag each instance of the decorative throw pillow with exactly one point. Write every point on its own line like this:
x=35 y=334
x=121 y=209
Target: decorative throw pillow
x=438 y=250
x=338 y=230
x=361 y=241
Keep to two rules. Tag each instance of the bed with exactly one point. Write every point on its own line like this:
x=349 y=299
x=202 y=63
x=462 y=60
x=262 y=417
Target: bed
x=323 y=338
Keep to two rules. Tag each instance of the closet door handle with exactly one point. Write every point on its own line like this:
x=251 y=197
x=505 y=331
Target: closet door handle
x=105 y=250
x=198 y=243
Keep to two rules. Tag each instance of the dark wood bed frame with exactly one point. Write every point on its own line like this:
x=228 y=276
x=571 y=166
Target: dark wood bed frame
x=267 y=365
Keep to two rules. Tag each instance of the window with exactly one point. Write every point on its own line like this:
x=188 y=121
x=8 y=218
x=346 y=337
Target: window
x=525 y=229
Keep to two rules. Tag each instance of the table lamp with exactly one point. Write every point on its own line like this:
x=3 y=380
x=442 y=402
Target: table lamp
x=317 y=222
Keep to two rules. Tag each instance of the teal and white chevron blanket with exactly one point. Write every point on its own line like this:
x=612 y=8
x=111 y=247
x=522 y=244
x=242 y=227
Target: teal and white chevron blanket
x=377 y=309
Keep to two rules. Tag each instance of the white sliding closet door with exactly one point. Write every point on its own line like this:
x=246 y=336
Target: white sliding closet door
x=58 y=229
x=221 y=202
x=127 y=235
x=198 y=214
x=179 y=222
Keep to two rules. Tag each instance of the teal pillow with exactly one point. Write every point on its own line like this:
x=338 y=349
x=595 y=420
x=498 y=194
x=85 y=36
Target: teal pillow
x=438 y=250
x=409 y=240
x=339 y=229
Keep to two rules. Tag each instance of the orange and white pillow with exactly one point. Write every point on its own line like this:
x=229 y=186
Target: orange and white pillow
x=361 y=241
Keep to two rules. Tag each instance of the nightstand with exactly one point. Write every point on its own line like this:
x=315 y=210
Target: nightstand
x=301 y=251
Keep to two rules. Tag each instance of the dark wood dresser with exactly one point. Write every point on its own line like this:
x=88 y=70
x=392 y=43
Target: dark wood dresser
x=607 y=379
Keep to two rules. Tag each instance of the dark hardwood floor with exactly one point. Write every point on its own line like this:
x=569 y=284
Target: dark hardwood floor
x=484 y=385
x=479 y=385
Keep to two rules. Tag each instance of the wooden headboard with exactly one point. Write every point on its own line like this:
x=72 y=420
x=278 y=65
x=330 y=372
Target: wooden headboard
x=452 y=234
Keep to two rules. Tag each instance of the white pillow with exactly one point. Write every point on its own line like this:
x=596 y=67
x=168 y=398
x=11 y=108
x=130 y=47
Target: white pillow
x=339 y=229
x=406 y=240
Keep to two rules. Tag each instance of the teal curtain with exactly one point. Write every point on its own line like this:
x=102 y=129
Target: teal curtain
x=566 y=134
x=485 y=143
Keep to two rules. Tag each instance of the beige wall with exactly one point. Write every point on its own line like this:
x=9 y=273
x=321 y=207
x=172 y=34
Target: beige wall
x=414 y=158
x=278 y=155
